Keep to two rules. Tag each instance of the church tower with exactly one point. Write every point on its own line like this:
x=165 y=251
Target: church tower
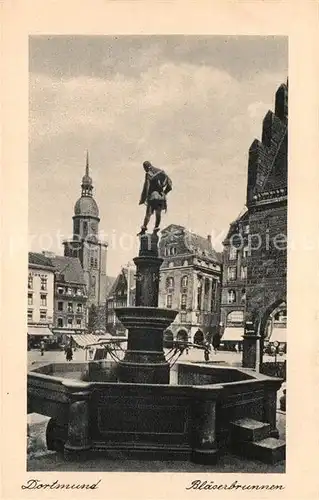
x=85 y=245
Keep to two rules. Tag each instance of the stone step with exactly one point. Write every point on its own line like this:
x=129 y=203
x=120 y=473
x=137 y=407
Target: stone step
x=269 y=450
x=36 y=435
x=249 y=430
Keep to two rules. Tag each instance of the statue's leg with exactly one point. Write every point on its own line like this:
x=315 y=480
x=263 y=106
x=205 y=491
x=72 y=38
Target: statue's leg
x=147 y=217
x=158 y=213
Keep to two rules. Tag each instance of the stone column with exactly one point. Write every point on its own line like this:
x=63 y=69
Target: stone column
x=78 y=439
x=249 y=359
x=148 y=265
x=270 y=405
x=204 y=444
x=144 y=361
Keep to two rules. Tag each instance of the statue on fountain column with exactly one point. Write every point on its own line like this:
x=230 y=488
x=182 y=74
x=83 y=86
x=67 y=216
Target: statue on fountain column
x=157 y=185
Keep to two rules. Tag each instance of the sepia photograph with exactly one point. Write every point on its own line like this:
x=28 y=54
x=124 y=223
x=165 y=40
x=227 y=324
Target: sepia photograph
x=157 y=254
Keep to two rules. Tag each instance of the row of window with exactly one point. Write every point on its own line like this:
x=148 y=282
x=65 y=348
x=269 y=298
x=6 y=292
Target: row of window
x=43 y=315
x=170 y=282
x=232 y=296
x=43 y=299
x=169 y=299
x=169 y=251
x=69 y=323
x=232 y=273
x=70 y=307
x=69 y=291
x=233 y=252
x=43 y=285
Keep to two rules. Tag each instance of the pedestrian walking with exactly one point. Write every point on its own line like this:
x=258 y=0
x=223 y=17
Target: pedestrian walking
x=69 y=353
x=206 y=354
x=42 y=347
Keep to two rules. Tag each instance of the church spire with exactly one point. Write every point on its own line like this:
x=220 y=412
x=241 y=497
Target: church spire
x=87 y=186
x=87 y=164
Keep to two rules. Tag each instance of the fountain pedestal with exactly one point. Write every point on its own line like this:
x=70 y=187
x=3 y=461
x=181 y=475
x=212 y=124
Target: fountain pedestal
x=144 y=361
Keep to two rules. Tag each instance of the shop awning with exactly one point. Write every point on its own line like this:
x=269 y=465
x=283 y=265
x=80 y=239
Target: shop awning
x=44 y=331
x=278 y=335
x=86 y=339
x=64 y=331
x=233 y=334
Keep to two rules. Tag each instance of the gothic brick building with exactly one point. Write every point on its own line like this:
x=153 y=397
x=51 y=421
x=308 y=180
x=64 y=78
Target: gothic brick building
x=190 y=281
x=86 y=245
x=267 y=192
x=264 y=245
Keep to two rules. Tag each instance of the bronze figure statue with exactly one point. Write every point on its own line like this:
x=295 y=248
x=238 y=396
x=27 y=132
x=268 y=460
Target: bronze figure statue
x=156 y=186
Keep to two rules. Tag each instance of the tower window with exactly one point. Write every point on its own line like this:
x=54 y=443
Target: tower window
x=85 y=229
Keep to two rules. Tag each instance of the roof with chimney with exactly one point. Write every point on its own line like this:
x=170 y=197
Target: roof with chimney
x=39 y=260
x=69 y=269
x=192 y=242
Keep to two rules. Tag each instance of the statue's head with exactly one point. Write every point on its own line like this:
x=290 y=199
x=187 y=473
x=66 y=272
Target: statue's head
x=147 y=165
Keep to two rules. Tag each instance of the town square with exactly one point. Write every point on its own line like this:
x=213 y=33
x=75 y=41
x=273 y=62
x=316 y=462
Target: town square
x=157 y=320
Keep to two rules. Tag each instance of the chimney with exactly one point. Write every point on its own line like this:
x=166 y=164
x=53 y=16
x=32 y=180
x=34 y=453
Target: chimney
x=209 y=238
x=48 y=254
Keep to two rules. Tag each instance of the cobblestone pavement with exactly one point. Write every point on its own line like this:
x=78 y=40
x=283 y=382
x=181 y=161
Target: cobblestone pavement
x=40 y=459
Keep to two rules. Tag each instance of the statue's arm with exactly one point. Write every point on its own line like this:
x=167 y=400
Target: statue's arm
x=144 y=194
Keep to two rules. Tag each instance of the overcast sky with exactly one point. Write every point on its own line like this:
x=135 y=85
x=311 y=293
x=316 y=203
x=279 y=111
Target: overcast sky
x=191 y=105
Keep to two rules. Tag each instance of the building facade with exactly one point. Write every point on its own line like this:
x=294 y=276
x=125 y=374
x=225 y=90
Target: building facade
x=70 y=297
x=89 y=249
x=121 y=294
x=267 y=191
x=40 y=296
x=190 y=281
x=255 y=249
x=233 y=296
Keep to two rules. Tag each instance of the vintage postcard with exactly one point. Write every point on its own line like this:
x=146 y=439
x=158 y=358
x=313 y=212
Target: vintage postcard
x=159 y=188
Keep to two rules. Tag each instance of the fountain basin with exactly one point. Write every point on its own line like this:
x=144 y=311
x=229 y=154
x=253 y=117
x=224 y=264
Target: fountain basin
x=190 y=420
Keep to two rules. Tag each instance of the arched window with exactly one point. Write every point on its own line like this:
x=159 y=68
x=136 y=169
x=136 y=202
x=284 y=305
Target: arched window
x=231 y=297
x=170 y=282
x=184 y=282
x=235 y=317
x=243 y=295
